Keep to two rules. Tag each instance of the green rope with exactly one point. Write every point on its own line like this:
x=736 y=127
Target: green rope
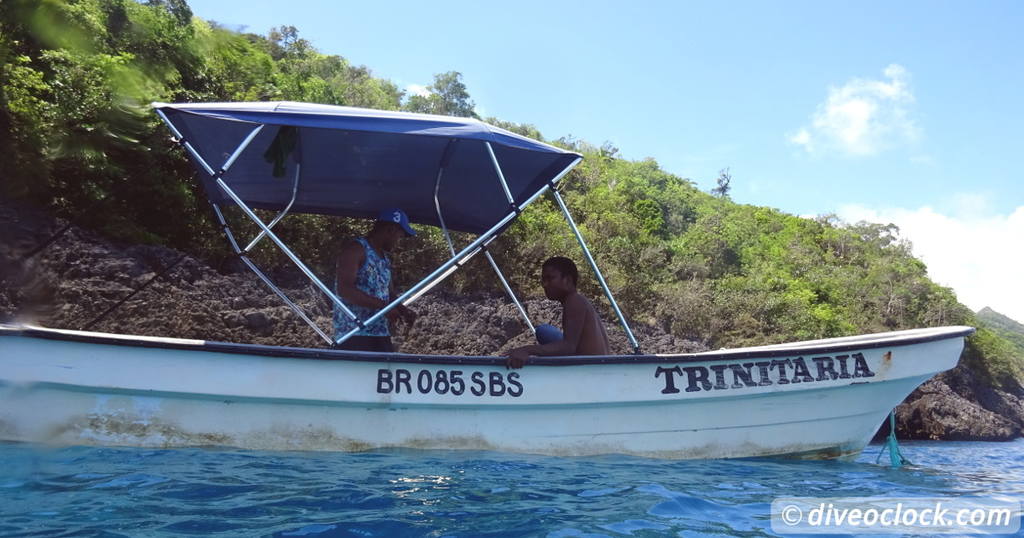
x=895 y=456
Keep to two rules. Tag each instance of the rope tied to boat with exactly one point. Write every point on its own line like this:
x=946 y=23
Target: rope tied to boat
x=896 y=458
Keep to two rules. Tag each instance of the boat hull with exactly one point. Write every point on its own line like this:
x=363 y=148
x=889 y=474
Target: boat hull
x=820 y=399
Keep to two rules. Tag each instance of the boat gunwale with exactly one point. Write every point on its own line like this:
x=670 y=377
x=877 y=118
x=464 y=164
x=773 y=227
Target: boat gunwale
x=898 y=338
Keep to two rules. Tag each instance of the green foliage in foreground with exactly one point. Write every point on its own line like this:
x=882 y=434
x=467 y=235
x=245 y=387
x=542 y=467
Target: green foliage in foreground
x=78 y=138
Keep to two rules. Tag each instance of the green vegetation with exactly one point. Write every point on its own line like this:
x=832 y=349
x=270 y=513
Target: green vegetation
x=1002 y=343
x=1009 y=329
x=76 y=77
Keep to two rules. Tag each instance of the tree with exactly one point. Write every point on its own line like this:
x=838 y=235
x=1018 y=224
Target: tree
x=724 y=178
x=447 y=96
x=285 y=42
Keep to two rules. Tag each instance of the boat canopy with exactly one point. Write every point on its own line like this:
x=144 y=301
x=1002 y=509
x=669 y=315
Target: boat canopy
x=356 y=162
x=453 y=173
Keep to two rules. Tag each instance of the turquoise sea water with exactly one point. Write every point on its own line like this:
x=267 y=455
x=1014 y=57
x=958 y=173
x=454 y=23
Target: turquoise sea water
x=89 y=491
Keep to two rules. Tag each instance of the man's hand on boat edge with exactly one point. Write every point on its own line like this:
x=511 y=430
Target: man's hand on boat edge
x=517 y=358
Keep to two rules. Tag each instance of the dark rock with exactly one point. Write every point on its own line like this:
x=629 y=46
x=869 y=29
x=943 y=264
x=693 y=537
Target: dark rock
x=939 y=413
x=256 y=320
x=142 y=279
x=957 y=405
x=509 y=328
x=233 y=320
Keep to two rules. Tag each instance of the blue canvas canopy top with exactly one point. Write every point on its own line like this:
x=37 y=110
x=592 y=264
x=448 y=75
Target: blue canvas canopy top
x=355 y=162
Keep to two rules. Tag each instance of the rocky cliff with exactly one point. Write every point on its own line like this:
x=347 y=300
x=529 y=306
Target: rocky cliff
x=79 y=276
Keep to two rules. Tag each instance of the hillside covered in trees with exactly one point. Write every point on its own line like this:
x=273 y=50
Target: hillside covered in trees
x=78 y=140
x=1004 y=326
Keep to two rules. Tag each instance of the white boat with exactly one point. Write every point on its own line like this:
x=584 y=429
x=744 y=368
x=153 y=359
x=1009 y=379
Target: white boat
x=815 y=399
x=821 y=399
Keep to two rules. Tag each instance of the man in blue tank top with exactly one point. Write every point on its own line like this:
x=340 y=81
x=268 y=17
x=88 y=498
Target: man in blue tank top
x=365 y=285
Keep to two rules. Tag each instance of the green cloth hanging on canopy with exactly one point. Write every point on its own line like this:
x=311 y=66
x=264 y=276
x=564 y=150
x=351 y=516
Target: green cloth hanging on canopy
x=282 y=146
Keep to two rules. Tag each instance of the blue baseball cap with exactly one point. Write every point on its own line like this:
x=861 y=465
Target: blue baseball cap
x=397 y=216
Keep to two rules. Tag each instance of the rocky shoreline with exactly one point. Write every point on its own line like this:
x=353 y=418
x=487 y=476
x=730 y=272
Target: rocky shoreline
x=71 y=282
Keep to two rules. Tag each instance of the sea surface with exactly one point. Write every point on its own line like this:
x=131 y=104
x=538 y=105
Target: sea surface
x=90 y=491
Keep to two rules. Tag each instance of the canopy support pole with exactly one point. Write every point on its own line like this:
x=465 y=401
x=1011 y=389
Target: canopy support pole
x=508 y=290
x=494 y=264
x=437 y=202
x=295 y=193
x=186 y=144
x=451 y=244
x=593 y=265
x=436 y=277
x=459 y=259
x=217 y=176
x=266 y=280
x=295 y=308
x=287 y=252
x=273 y=237
x=227 y=229
x=501 y=176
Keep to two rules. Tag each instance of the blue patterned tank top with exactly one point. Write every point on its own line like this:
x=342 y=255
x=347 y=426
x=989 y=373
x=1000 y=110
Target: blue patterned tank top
x=373 y=278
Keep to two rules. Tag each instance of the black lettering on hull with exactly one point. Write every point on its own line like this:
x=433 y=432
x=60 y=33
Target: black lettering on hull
x=742 y=373
x=670 y=382
x=800 y=372
x=761 y=373
x=479 y=387
x=452 y=382
x=860 y=366
x=825 y=365
x=719 y=370
x=696 y=375
x=402 y=378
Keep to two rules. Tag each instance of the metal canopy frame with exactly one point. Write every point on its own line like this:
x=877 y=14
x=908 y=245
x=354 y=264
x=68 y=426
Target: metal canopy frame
x=458 y=259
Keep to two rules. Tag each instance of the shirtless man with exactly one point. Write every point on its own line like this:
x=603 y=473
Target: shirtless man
x=584 y=332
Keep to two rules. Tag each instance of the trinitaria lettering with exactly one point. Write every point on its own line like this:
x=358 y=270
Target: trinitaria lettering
x=762 y=373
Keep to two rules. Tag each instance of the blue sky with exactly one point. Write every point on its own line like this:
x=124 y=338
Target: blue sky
x=905 y=112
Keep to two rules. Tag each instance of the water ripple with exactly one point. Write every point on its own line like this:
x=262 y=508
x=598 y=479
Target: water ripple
x=84 y=491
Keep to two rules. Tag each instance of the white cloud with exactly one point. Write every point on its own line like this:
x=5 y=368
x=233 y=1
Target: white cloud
x=863 y=117
x=417 y=89
x=801 y=138
x=976 y=253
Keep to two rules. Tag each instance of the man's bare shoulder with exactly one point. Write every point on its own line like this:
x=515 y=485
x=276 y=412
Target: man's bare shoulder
x=350 y=257
x=578 y=299
x=351 y=244
x=579 y=305
x=574 y=301
x=351 y=247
